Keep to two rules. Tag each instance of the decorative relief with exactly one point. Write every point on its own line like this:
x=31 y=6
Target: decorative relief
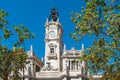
x=49 y=68
x=52 y=56
x=52 y=45
x=72 y=53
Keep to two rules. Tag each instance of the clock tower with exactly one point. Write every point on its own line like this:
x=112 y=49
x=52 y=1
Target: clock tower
x=53 y=42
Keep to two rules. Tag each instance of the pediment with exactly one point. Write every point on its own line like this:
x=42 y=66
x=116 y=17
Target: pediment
x=52 y=45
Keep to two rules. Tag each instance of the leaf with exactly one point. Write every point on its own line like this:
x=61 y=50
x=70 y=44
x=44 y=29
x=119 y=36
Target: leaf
x=100 y=19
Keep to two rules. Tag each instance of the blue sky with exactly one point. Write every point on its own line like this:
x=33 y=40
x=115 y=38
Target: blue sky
x=33 y=14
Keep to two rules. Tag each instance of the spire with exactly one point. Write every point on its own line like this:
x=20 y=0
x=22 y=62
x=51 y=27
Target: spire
x=82 y=46
x=47 y=20
x=14 y=48
x=31 y=51
x=31 y=48
x=64 y=47
x=43 y=59
x=58 y=19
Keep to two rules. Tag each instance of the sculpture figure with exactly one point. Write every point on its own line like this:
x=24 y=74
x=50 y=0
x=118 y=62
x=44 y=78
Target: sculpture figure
x=54 y=14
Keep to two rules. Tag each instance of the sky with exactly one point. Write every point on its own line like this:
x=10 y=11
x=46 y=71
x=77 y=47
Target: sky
x=33 y=14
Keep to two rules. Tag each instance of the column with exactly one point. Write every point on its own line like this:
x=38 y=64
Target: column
x=78 y=65
x=67 y=64
x=75 y=65
x=70 y=65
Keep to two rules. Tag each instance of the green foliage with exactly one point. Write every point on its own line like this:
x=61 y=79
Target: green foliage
x=18 y=62
x=22 y=33
x=100 y=18
x=12 y=60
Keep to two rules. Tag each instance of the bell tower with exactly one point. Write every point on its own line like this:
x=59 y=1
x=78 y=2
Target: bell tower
x=53 y=42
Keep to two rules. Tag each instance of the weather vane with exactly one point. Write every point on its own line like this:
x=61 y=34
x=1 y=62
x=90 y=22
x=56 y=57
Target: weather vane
x=54 y=14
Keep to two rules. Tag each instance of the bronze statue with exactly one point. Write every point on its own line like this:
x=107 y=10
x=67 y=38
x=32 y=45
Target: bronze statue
x=54 y=14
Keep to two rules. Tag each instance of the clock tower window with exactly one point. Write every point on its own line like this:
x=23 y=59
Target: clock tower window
x=51 y=50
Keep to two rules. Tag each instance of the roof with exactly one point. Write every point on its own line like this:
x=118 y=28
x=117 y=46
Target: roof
x=72 y=53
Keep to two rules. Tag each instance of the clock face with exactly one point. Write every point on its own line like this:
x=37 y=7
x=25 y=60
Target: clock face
x=52 y=34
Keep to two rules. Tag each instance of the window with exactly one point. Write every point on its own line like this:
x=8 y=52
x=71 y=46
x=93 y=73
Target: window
x=37 y=68
x=51 y=50
x=69 y=65
x=29 y=70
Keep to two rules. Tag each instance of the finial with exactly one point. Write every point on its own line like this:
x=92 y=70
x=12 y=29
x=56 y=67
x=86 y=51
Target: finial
x=64 y=47
x=42 y=59
x=47 y=20
x=72 y=48
x=82 y=46
x=58 y=20
x=31 y=51
x=31 y=48
x=54 y=14
x=14 y=48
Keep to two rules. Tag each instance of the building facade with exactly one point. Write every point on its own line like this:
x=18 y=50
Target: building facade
x=60 y=63
x=34 y=66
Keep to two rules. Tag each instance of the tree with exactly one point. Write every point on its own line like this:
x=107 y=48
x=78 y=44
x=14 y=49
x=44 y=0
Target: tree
x=100 y=19
x=11 y=60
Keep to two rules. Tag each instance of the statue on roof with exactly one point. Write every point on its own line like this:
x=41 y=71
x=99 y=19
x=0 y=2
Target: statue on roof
x=54 y=14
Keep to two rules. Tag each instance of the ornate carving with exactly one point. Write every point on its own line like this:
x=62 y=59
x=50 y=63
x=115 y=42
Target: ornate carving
x=54 y=14
x=52 y=45
x=49 y=68
x=52 y=56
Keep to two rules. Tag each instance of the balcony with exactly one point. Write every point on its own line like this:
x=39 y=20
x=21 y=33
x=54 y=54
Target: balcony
x=52 y=56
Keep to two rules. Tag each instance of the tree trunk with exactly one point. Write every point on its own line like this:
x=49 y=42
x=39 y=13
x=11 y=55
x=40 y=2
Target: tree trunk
x=5 y=76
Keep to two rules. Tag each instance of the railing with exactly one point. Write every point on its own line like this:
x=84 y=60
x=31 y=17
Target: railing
x=47 y=73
